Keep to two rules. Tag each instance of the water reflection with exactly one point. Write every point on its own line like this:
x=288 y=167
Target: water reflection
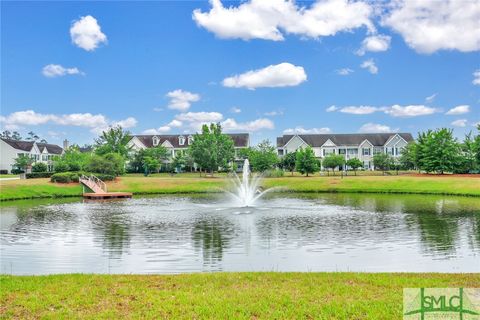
x=298 y=232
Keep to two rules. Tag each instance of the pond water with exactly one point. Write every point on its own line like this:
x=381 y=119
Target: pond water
x=287 y=232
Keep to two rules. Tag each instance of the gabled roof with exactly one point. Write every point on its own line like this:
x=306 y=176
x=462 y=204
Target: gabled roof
x=347 y=139
x=28 y=145
x=240 y=140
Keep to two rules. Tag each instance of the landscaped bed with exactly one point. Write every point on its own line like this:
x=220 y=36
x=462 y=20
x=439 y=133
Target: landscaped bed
x=217 y=295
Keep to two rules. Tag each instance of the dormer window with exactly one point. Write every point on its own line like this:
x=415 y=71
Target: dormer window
x=190 y=140
x=181 y=140
x=155 y=141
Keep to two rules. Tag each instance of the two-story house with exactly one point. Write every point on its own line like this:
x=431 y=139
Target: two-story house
x=39 y=152
x=355 y=145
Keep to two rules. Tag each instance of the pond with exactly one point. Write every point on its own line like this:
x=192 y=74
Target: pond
x=284 y=232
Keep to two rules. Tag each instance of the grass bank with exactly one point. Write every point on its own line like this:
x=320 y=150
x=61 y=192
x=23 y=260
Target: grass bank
x=216 y=295
x=190 y=183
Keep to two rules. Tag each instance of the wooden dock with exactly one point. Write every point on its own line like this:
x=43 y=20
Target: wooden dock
x=107 y=195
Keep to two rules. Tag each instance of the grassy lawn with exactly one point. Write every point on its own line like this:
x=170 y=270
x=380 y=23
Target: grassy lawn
x=8 y=175
x=192 y=183
x=216 y=295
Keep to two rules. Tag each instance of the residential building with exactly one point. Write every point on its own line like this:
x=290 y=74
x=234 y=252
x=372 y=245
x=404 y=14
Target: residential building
x=356 y=145
x=39 y=152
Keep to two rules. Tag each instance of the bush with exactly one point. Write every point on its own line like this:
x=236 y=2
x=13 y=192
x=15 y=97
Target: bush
x=274 y=173
x=65 y=177
x=110 y=164
x=17 y=171
x=39 y=167
x=103 y=177
x=60 y=167
x=35 y=175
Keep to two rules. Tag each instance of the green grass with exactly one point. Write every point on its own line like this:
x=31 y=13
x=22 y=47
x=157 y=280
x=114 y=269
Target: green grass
x=8 y=175
x=216 y=295
x=192 y=183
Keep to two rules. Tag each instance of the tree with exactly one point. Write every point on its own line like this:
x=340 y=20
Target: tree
x=438 y=151
x=11 y=135
x=110 y=163
x=32 y=136
x=150 y=165
x=408 y=159
x=263 y=157
x=354 y=163
x=113 y=140
x=22 y=162
x=178 y=162
x=289 y=161
x=476 y=145
x=383 y=161
x=212 y=149
x=333 y=161
x=73 y=159
x=467 y=161
x=39 y=167
x=306 y=162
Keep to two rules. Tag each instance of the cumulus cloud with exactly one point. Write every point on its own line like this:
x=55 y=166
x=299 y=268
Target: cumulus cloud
x=428 y=26
x=274 y=113
x=97 y=122
x=459 y=123
x=203 y=117
x=230 y=125
x=331 y=109
x=374 y=43
x=476 y=77
x=281 y=75
x=235 y=110
x=56 y=70
x=370 y=66
x=359 y=109
x=181 y=100
x=344 y=71
x=301 y=130
x=375 y=128
x=410 y=111
x=270 y=20
x=87 y=34
x=462 y=109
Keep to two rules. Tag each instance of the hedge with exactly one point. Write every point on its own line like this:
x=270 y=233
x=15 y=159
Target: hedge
x=34 y=175
x=67 y=177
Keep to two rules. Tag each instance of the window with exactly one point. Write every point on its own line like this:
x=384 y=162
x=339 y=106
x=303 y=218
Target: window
x=397 y=151
x=341 y=151
x=280 y=152
x=190 y=140
x=155 y=141
x=366 y=151
x=181 y=140
x=390 y=151
x=328 y=151
x=352 y=151
x=377 y=150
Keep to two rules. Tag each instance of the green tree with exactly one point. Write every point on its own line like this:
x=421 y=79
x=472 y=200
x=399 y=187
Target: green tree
x=137 y=161
x=263 y=157
x=306 y=162
x=383 y=161
x=150 y=164
x=39 y=167
x=354 y=163
x=113 y=140
x=476 y=145
x=11 y=135
x=212 y=149
x=289 y=162
x=467 y=160
x=22 y=162
x=178 y=162
x=333 y=161
x=110 y=163
x=438 y=151
x=32 y=136
x=408 y=158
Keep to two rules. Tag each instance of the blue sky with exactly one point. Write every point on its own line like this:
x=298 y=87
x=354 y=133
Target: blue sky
x=71 y=69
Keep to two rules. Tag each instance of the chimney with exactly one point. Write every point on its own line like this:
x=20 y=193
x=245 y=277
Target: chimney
x=65 y=144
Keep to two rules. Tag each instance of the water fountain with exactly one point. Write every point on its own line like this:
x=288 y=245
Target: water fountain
x=247 y=190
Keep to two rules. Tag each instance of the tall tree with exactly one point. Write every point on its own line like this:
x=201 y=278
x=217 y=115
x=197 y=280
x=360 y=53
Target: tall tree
x=383 y=161
x=354 y=163
x=438 y=151
x=212 y=149
x=289 y=162
x=468 y=159
x=263 y=157
x=333 y=161
x=32 y=136
x=22 y=162
x=306 y=161
x=113 y=140
x=408 y=159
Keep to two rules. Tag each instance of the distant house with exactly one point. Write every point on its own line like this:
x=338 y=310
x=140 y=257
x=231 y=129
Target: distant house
x=39 y=152
x=180 y=142
x=362 y=145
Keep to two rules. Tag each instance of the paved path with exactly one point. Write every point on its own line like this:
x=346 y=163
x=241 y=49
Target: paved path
x=6 y=179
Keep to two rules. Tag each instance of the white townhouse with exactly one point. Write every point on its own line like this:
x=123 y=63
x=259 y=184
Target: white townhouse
x=180 y=142
x=39 y=152
x=362 y=145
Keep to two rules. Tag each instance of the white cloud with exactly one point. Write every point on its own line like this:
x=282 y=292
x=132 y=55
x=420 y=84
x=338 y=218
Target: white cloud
x=156 y=109
x=331 y=109
x=86 y=33
x=476 y=77
x=429 y=25
x=230 y=125
x=370 y=66
x=359 y=109
x=459 y=123
x=462 y=109
x=56 y=70
x=431 y=98
x=81 y=120
x=235 y=110
x=181 y=100
x=175 y=123
x=375 y=128
x=410 y=111
x=161 y=130
x=129 y=122
x=281 y=75
x=375 y=43
x=269 y=20
x=301 y=130
x=344 y=71
x=203 y=117
x=274 y=113
x=27 y=118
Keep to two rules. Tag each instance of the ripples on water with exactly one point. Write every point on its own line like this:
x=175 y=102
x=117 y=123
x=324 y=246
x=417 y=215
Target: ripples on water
x=173 y=234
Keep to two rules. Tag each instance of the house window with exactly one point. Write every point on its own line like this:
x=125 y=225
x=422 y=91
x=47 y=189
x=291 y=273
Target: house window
x=155 y=141
x=352 y=151
x=190 y=140
x=366 y=151
x=397 y=151
x=377 y=150
x=280 y=152
x=328 y=151
x=181 y=140
x=390 y=151
x=341 y=151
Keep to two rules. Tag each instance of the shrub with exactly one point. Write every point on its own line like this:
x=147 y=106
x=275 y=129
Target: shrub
x=39 y=167
x=111 y=164
x=60 y=167
x=17 y=171
x=104 y=177
x=65 y=177
x=35 y=175
x=275 y=173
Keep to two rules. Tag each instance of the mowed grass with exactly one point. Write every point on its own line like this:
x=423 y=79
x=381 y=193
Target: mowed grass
x=216 y=295
x=192 y=183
